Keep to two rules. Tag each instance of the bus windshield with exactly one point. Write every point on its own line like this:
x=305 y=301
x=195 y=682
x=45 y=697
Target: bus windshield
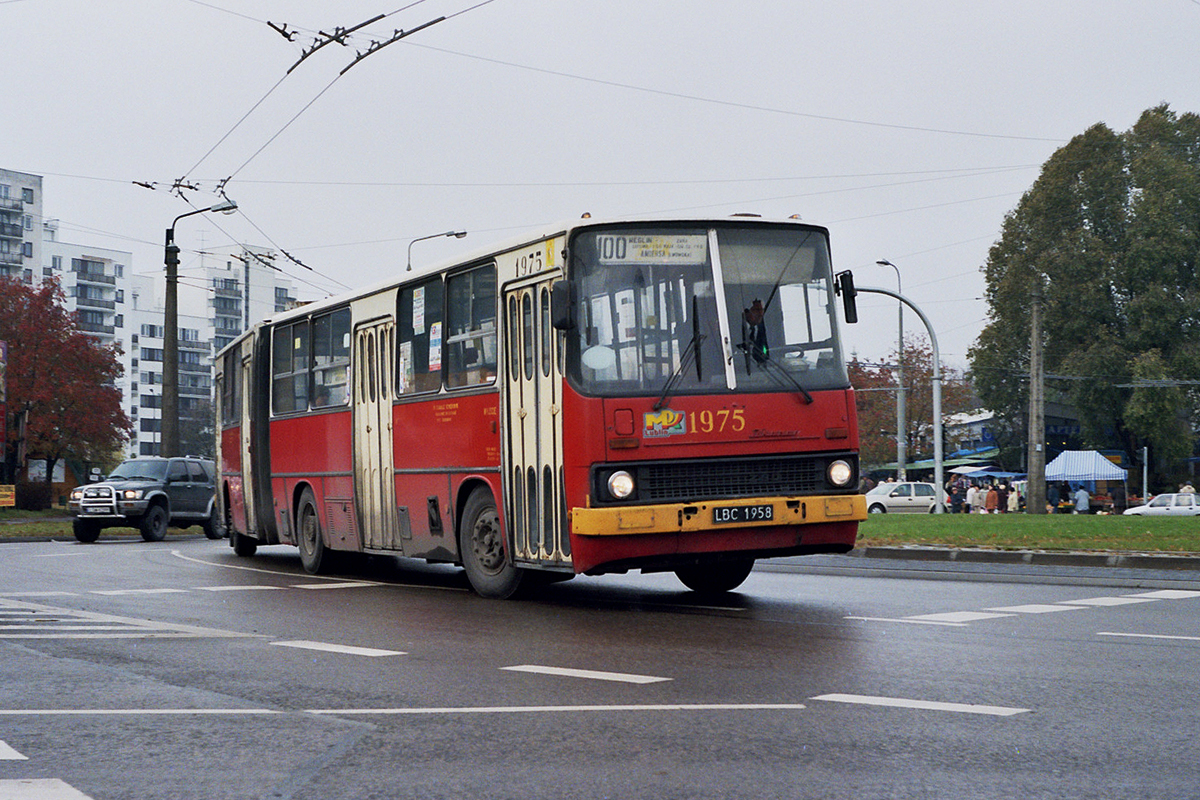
x=689 y=310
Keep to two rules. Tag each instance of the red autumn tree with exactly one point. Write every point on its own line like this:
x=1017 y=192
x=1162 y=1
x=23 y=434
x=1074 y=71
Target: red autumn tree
x=60 y=380
x=875 y=394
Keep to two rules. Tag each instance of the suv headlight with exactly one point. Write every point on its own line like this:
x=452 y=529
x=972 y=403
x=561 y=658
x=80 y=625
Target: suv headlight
x=840 y=473
x=132 y=494
x=77 y=494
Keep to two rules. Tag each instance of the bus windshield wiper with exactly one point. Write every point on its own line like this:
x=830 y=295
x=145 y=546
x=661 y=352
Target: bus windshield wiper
x=691 y=353
x=781 y=375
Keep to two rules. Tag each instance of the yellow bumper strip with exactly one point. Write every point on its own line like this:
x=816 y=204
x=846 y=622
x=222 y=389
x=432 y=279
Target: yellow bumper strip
x=687 y=517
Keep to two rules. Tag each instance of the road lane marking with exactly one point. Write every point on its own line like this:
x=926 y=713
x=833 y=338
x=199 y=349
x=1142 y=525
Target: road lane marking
x=560 y=709
x=1036 y=608
x=912 y=621
x=619 y=677
x=342 y=585
x=7 y=753
x=121 y=592
x=239 y=588
x=922 y=705
x=133 y=712
x=101 y=625
x=222 y=565
x=958 y=616
x=1108 y=601
x=344 y=649
x=1151 y=636
x=37 y=594
x=40 y=789
x=1168 y=594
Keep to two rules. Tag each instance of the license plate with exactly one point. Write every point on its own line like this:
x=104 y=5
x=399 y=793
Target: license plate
x=749 y=513
x=96 y=510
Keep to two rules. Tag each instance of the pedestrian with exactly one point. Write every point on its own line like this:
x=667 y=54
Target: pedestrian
x=956 y=500
x=971 y=502
x=991 y=500
x=1052 y=498
x=1187 y=487
x=1082 y=500
x=1014 y=500
x=1002 y=499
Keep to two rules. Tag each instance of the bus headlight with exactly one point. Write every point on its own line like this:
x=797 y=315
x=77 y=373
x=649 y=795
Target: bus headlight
x=840 y=473
x=620 y=484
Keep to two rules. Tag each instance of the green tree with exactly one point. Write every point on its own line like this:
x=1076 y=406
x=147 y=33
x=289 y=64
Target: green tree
x=1111 y=228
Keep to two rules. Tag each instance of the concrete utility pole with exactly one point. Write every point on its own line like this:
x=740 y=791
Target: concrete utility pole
x=1035 y=497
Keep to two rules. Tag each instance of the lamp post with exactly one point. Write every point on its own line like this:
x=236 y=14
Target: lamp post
x=901 y=432
x=170 y=384
x=455 y=234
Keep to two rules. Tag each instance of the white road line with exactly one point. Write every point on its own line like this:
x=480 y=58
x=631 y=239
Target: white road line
x=182 y=557
x=1168 y=594
x=923 y=705
x=40 y=789
x=37 y=594
x=1151 y=636
x=120 y=592
x=1108 y=601
x=561 y=709
x=136 y=627
x=133 y=712
x=343 y=585
x=236 y=588
x=1036 y=608
x=7 y=753
x=339 y=648
x=589 y=674
x=958 y=616
x=912 y=621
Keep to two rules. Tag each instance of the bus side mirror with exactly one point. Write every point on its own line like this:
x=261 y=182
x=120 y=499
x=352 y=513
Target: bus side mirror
x=844 y=285
x=563 y=300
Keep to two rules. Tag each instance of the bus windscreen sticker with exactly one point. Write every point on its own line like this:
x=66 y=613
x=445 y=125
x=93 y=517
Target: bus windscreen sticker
x=435 y=346
x=418 y=314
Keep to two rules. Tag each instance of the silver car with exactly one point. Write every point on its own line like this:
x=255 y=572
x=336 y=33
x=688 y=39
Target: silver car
x=903 y=497
x=1180 y=504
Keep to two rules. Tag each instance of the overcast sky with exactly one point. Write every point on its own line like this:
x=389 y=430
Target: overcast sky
x=910 y=129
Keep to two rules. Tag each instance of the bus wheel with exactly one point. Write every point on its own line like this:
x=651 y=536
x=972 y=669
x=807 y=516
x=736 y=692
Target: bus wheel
x=154 y=523
x=308 y=534
x=481 y=546
x=86 y=530
x=721 y=576
x=242 y=544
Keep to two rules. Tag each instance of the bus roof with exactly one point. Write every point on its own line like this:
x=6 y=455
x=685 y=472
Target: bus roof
x=534 y=234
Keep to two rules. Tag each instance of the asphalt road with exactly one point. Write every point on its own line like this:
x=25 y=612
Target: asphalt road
x=176 y=670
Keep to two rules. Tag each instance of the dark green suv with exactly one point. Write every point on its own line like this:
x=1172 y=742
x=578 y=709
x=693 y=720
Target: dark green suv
x=149 y=494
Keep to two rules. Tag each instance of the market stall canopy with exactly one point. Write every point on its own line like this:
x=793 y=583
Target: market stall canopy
x=1083 y=465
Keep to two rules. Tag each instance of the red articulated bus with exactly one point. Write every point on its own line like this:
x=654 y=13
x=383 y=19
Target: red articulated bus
x=665 y=395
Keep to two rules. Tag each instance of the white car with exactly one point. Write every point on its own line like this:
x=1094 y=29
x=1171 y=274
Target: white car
x=903 y=497
x=1180 y=504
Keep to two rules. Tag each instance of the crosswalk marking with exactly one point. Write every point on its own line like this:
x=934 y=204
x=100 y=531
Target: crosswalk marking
x=339 y=648
x=7 y=753
x=619 y=677
x=40 y=789
x=1036 y=608
x=922 y=705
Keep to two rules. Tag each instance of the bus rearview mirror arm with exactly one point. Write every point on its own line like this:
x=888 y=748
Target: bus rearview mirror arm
x=563 y=300
x=844 y=285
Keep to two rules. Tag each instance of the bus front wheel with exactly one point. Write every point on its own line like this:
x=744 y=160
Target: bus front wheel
x=481 y=547
x=313 y=555
x=721 y=576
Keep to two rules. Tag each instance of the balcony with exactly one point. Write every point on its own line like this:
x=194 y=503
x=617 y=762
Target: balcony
x=12 y=258
x=95 y=277
x=11 y=204
x=11 y=231
x=93 y=302
x=91 y=327
x=202 y=347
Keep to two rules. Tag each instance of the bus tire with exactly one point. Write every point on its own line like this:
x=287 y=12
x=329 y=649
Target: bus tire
x=243 y=545
x=85 y=530
x=154 y=523
x=313 y=554
x=482 y=549
x=715 y=577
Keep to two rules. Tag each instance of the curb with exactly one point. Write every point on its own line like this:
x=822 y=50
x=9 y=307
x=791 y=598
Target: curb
x=1032 y=557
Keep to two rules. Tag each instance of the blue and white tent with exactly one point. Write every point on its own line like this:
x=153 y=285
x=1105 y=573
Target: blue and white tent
x=1083 y=465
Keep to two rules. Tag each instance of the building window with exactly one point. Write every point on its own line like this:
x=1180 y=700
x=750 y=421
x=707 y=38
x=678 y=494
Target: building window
x=119 y=321
x=27 y=195
x=56 y=262
x=152 y=354
x=27 y=249
x=120 y=296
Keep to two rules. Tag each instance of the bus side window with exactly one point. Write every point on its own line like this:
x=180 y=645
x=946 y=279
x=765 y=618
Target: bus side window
x=471 y=322
x=289 y=368
x=419 y=338
x=331 y=358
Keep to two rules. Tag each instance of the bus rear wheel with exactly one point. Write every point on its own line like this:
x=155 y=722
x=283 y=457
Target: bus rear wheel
x=481 y=547
x=313 y=555
x=717 y=577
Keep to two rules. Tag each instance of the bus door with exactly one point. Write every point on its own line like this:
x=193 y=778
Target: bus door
x=247 y=425
x=374 y=478
x=533 y=493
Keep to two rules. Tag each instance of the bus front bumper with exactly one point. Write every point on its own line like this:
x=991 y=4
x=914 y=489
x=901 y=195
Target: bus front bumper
x=717 y=515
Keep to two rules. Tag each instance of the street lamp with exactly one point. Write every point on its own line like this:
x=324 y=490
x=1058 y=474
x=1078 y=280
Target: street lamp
x=170 y=384
x=455 y=234
x=901 y=431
